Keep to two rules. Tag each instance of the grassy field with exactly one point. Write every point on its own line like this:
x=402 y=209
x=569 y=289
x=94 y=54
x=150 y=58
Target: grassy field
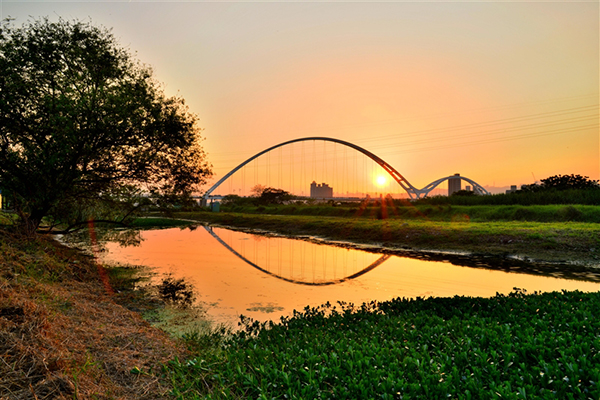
x=429 y=212
x=556 y=241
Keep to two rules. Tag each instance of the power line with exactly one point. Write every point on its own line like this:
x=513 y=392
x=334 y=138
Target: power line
x=495 y=131
x=510 y=138
x=487 y=123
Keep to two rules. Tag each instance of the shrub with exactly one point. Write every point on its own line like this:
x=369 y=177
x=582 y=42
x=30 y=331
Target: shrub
x=523 y=214
x=570 y=213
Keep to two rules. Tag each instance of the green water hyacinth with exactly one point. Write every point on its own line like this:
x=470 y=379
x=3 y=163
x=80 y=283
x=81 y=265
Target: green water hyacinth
x=515 y=347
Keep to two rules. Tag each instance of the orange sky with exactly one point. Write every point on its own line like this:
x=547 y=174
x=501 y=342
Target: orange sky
x=498 y=91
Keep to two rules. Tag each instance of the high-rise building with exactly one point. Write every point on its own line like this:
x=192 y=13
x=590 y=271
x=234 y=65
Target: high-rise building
x=454 y=184
x=322 y=191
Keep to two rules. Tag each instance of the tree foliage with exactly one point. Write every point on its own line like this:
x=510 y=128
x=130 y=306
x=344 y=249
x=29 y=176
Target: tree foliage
x=257 y=190
x=263 y=195
x=271 y=195
x=464 y=193
x=562 y=182
x=84 y=126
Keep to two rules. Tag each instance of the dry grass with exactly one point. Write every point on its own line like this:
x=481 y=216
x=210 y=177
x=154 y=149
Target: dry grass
x=63 y=336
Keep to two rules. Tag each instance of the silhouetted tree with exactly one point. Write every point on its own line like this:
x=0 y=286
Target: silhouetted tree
x=257 y=190
x=84 y=127
x=234 y=199
x=562 y=182
x=464 y=193
x=273 y=196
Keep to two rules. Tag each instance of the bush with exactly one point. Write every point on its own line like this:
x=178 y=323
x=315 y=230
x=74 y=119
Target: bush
x=570 y=213
x=523 y=214
x=524 y=198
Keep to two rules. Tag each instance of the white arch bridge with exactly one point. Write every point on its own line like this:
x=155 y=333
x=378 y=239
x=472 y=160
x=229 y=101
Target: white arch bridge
x=412 y=191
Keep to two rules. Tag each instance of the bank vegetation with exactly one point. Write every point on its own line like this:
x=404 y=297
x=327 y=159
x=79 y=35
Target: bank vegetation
x=419 y=230
x=63 y=332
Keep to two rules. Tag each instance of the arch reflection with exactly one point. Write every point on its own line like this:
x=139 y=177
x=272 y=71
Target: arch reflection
x=327 y=276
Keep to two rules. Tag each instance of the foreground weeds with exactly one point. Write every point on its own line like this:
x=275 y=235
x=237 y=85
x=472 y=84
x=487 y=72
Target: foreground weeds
x=515 y=347
x=63 y=336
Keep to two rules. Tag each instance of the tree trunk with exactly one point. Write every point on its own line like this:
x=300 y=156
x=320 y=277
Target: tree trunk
x=30 y=222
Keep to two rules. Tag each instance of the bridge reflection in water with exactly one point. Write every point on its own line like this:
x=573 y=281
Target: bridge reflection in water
x=278 y=260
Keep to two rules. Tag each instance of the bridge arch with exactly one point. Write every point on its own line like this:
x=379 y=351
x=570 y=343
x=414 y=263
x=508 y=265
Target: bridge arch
x=412 y=191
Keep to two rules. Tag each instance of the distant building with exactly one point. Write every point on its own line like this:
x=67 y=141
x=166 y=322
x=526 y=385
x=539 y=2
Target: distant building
x=322 y=191
x=468 y=188
x=454 y=184
x=513 y=188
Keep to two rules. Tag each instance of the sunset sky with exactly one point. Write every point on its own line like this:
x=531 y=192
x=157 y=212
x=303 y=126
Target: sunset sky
x=497 y=91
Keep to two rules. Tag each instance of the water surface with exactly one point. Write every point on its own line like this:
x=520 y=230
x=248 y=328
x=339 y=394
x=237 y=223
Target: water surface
x=266 y=277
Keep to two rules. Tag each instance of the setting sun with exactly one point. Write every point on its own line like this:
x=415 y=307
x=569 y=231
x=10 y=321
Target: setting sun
x=381 y=181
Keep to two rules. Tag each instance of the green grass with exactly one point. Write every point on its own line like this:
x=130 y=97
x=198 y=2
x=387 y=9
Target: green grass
x=545 y=197
x=26 y=259
x=517 y=346
x=434 y=212
x=159 y=222
x=7 y=219
x=556 y=241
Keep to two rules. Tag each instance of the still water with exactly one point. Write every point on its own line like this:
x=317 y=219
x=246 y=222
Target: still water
x=265 y=277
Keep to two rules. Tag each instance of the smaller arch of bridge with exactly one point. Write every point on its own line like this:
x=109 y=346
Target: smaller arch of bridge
x=477 y=188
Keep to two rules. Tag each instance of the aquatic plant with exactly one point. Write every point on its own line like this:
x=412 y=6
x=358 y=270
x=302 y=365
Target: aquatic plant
x=515 y=346
x=176 y=291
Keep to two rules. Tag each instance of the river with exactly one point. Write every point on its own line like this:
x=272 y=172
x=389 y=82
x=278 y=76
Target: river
x=265 y=277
